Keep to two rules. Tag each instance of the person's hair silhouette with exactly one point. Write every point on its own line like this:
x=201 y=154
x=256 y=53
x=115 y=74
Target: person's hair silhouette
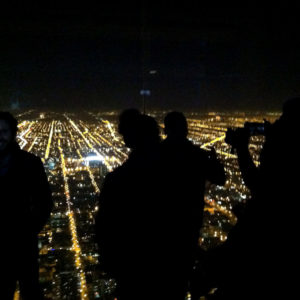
x=149 y=131
x=138 y=130
x=176 y=126
x=9 y=119
x=291 y=109
x=129 y=127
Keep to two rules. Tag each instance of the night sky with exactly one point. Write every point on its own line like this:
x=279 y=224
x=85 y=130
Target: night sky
x=221 y=58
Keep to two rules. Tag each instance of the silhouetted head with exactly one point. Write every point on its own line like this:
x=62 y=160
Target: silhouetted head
x=129 y=121
x=8 y=130
x=176 y=126
x=149 y=131
x=291 y=109
x=139 y=131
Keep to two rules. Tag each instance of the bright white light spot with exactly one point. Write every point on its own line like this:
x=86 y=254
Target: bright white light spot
x=94 y=158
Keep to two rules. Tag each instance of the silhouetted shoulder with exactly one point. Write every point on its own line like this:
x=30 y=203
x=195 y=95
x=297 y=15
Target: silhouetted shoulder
x=185 y=148
x=116 y=174
x=208 y=161
x=198 y=151
x=31 y=168
x=109 y=181
x=113 y=185
x=113 y=174
x=29 y=158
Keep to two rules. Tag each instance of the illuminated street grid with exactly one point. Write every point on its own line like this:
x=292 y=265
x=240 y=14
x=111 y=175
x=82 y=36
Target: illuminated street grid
x=77 y=152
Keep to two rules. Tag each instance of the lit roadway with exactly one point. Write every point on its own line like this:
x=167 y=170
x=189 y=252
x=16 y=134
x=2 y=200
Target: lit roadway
x=25 y=129
x=194 y=125
x=49 y=141
x=96 y=188
x=24 y=133
x=76 y=247
x=109 y=167
x=108 y=143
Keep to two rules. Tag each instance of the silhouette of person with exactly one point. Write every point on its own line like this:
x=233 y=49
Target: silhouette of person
x=125 y=225
x=25 y=207
x=262 y=247
x=187 y=169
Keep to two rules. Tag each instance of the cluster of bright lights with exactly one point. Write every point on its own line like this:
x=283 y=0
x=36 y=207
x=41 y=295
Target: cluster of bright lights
x=86 y=140
x=97 y=190
x=97 y=157
x=105 y=140
x=23 y=134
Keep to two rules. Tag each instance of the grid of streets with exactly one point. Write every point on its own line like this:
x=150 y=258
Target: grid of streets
x=77 y=151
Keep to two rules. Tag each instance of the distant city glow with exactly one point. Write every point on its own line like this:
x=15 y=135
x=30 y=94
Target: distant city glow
x=68 y=144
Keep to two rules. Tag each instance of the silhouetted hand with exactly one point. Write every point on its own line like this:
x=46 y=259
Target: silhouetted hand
x=242 y=138
x=238 y=138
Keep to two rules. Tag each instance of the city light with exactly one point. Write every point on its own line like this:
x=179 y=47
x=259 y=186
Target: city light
x=78 y=154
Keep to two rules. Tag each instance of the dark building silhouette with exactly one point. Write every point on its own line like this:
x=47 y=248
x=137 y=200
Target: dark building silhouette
x=25 y=207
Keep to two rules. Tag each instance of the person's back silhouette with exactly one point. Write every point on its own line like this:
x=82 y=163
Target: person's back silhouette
x=186 y=170
x=261 y=248
x=125 y=224
x=26 y=203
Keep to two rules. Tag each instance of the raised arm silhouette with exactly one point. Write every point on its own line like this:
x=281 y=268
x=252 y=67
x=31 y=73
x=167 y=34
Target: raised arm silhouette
x=262 y=248
x=25 y=207
x=187 y=169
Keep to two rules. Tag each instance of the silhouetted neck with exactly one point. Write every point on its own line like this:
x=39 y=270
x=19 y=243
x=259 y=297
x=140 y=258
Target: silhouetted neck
x=9 y=151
